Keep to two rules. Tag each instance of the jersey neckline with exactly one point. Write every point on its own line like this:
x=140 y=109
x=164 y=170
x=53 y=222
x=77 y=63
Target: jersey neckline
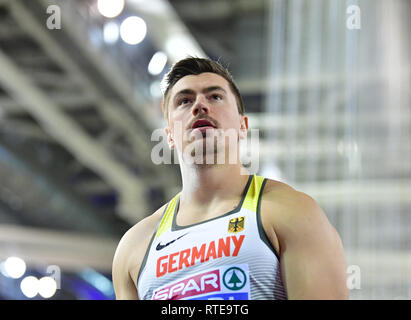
x=176 y=227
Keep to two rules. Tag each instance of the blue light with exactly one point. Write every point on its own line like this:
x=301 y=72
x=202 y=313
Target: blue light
x=98 y=281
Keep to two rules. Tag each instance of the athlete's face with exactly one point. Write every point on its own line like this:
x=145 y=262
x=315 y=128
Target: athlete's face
x=206 y=96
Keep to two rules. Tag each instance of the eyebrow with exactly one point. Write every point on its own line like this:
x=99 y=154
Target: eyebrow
x=205 y=90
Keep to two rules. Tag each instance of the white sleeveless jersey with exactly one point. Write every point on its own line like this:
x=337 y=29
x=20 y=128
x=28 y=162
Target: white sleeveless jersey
x=225 y=258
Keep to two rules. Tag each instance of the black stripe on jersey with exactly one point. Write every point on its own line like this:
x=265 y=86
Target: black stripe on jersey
x=175 y=226
x=261 y=231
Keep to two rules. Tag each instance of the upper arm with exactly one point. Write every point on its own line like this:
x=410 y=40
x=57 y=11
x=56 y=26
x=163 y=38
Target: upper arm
x=130 y=254
x=123 y=283
x=312 y=256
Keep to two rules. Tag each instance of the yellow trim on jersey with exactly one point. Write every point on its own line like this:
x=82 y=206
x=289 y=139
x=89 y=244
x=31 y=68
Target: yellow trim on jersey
x=251 y=198
x=250 y=202
x=167 y=219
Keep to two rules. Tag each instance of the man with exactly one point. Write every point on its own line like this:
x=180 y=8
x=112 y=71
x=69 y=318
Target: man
x=226 y=235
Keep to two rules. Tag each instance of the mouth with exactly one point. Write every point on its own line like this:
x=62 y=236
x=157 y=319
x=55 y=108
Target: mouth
x=203 y=125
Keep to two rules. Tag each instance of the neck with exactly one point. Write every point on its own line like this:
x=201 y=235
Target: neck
x=203 y=184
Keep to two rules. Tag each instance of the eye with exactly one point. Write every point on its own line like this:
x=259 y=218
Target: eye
x=217 y=97
x=184 y=101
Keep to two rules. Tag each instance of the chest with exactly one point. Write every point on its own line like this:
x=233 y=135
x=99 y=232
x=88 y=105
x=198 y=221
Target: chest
x=208 y=242
x=186 y=216
x=195 y=259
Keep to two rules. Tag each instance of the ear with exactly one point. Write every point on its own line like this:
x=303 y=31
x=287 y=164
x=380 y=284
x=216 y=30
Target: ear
x=170 y=140
x=243 y=127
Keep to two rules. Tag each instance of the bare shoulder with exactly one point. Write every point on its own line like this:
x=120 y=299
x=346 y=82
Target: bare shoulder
x=288 y=214
x=311 y=251
x=288 y=201
x=282 y=193
x=142 y=229
x=138 y=237
x=130 y=254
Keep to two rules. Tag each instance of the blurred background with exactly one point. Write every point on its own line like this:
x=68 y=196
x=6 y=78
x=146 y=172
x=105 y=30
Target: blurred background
x=327 y=83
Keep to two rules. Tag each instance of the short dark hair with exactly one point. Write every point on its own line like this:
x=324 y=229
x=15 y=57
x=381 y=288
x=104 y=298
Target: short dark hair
x=196 y=66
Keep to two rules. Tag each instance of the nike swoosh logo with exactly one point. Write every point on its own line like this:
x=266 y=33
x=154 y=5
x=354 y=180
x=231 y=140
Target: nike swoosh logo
x=162 y=246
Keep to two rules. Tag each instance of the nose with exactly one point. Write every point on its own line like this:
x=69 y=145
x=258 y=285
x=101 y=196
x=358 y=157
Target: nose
x=200 y=106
